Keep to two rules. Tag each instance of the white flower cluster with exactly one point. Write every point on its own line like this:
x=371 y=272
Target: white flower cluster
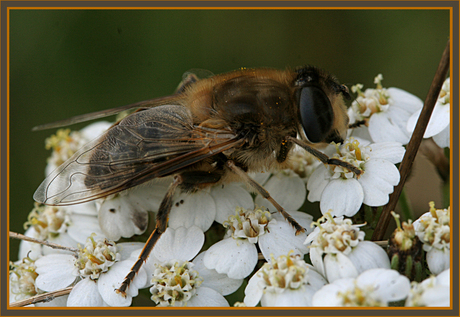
x=330 y=265
x=384 y=112
x=341 y=191
x=433 y=229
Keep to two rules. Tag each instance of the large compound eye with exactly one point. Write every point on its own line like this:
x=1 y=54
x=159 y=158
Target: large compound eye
x=316 y=114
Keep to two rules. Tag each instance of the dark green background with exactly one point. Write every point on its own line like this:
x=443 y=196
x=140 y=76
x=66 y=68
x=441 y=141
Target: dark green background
x=69 y=62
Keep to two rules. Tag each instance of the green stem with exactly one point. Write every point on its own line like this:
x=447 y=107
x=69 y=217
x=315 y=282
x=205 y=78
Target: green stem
x=445 y=194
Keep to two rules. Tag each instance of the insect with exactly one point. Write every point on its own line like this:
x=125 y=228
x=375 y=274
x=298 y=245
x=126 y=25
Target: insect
x=211 y=131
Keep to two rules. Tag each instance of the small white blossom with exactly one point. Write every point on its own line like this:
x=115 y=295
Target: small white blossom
x=284 y=281
x=99 y=269
x=22 y=280
x=434 y=291
x=341 y=192
x=384 y=111
x=338 y=249
x=372 y=288
x=439 y=125
x=64 y=225
x=22 y=284
x=433 y=229
x=237 y=255
x=177 y=281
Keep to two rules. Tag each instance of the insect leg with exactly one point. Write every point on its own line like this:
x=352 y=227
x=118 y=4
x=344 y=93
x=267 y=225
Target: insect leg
x=160 y=228
x=324 y=158
x=230 y=164
x=357 y=124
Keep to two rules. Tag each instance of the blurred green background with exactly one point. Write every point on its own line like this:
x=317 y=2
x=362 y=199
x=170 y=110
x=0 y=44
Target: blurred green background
x=69 y=62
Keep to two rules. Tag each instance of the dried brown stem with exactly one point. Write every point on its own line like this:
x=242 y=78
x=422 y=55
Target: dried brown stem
x=48 y=244
x=46 y=297
x=414 y=142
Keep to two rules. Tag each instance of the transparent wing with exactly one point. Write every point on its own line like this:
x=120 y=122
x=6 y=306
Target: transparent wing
x=107 y=112
x=147 y=144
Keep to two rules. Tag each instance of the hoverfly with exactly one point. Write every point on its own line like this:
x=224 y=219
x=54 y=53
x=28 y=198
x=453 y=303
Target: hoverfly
x=211 y=131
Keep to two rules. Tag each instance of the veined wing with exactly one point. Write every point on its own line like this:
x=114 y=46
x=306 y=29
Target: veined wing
x=147 y=144
x=108 y=112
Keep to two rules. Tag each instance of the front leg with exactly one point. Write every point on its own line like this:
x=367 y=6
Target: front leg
x=324 y=158
x=230 y=164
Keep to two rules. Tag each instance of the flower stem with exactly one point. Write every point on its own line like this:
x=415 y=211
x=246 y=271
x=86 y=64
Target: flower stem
x=414 y=142
x=19 y=236
x=445 y=194
x=46 y=297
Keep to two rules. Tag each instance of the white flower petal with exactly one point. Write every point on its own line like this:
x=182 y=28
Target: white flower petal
x=378 y=181
x=254 y=290
x=83 y=226
x=443 y=278
x=390 y=151
x=287 y=298
x=442 y=139
x=110 y=281
x=343 y=197
x=207 y=297
x=88 y=208
x=179 y=244
x=440 y=119
x=228 y=198
x=388 y=285
x=368 y=255
x=317 y=182
x=316 y=257
x=383 y=129
x=126 y=249
x=327 y=296
x=85 y=294
x=438 y=260
x=436 y=296
x=315 y=279
x=197 y=209
x=219 y=282
x=360 y=133
x=399 y=116
x=122 y=217
x=55 y=271
x=286 y=188
x=236 y=258
x=149 y=196
x=405 y=100
x=281 y=239
x=338 y=266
